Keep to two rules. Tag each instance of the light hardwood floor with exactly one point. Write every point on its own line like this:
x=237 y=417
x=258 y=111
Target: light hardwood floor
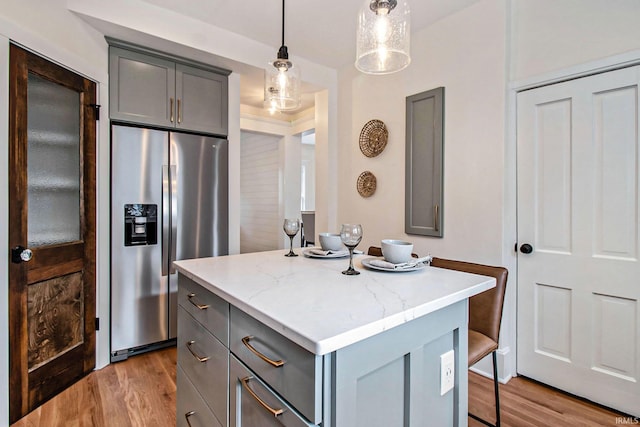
x=142 y=392
x=526 y=403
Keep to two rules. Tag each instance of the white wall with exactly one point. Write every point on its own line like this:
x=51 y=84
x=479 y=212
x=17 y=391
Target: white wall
x=328 y=144
x=550 y=35
x=50 y=29
x=471 y=65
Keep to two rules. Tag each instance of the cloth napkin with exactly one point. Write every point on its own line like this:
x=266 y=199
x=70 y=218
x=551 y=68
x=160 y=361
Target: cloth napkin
x=319 y=251
x=410 y=264
x=383 y=264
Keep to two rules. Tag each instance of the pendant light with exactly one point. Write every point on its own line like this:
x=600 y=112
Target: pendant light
x=383 y=37
x=282 y=80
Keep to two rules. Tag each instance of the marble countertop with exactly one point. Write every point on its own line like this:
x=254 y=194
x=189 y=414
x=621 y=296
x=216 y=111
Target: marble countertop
x=310 y=302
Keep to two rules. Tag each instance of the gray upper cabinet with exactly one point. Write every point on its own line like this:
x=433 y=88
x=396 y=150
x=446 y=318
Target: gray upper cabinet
x=159 y=91
x=424 y=163
x=142 y=88
x=201 y=100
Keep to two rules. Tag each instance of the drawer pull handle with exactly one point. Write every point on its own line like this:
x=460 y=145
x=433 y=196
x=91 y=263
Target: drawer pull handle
x=200 y=306
x=187 y=415
x=274 y=412
x=275 y=363
x=201 y=359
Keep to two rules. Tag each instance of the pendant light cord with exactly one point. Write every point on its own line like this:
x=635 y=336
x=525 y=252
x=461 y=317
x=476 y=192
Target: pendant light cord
x=283 y=52
x=282 y=23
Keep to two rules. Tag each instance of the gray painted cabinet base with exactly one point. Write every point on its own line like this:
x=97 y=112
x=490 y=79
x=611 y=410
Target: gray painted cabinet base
x=393 y=379
x=389 y=380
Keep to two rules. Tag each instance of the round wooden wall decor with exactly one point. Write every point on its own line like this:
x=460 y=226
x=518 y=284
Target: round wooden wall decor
x=366 y=184
x=373 y=138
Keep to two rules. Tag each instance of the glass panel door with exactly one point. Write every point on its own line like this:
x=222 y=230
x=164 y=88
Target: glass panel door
x=53 y=172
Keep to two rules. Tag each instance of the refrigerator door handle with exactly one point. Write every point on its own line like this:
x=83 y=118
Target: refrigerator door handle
x=165 y=218
x=174 y=216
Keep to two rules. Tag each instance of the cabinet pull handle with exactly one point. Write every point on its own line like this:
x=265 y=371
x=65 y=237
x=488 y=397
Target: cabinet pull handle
x=201 y=359
x=171 y=109
x=274 y=412
x=179 y=112
x=200 y=306
x=187 y=415
x=436 y=208
x=274 y=363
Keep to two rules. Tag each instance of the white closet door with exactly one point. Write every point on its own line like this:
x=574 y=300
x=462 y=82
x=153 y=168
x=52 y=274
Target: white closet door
x=578 y=207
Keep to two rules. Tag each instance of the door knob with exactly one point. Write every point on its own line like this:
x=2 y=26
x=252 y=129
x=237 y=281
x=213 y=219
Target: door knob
x=526 y=248
x=21 y=254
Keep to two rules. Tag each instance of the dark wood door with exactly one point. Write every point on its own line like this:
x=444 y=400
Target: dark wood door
x=51 y=229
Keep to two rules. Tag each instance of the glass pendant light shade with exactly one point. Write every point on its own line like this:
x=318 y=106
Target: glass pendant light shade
x=383 y=37
x=282 y=85
x=282 y=80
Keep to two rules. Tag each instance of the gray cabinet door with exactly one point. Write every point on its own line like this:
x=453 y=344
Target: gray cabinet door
x=253 y=404
x=207 y=308
x=191 y=409
x=424 y=163
x=298 y=379
x=141 y=88
x=205 y=361
x=201 y=100
x=154 y=90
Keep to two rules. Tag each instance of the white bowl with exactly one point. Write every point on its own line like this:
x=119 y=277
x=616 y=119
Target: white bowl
x=330 y=241
x=396 y=251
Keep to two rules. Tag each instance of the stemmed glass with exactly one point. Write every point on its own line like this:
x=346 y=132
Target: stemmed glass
x=351 y=235
x=291 y=227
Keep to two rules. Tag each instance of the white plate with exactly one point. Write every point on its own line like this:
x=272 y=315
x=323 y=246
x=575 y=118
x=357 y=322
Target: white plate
x=367 y=263
x=308 y=253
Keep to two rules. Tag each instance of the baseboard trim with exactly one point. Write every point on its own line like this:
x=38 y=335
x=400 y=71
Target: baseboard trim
x=485 y=368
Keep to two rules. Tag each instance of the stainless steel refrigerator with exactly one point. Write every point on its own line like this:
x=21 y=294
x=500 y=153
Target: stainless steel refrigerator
x=169 y=201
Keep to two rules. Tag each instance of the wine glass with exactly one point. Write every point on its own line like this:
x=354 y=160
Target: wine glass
x=351 y=235
x=291 y=227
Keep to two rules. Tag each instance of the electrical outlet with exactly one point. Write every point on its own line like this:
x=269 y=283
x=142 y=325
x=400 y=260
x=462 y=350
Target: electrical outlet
x=447 y=371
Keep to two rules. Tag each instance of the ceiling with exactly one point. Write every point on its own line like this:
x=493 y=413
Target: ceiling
x=321 y=32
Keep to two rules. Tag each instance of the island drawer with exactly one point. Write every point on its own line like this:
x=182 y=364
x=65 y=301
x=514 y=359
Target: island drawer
x=292 y=371
x=191 y=410
x=253 y=404
x=208 y=309
x=205 y=361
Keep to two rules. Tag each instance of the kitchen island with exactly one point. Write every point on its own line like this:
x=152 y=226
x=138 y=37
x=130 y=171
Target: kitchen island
x=268 y=340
